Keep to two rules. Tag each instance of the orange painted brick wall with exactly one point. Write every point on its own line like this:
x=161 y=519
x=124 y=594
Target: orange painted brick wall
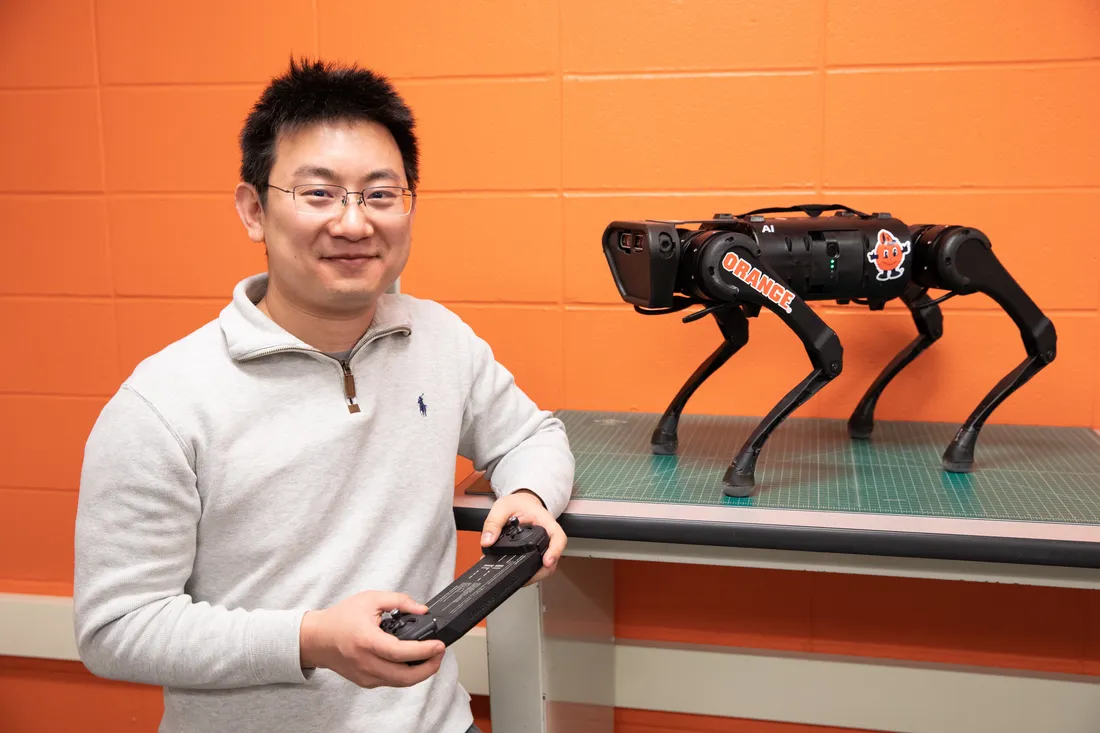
x=542 y=121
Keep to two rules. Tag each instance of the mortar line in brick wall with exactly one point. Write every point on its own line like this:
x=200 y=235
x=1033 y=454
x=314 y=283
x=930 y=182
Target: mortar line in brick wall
x=1007 y=65
x=185 y=299
x=258 y=83
x=474 y=78
x=607 y=76
x=49 y=489
x=992 y=310
x=689 y=74
x=534 y=305
x=101 y=138
x=832 y=190
x=623 y=192
x=121 y=297
x=560 y=62
x=56 y=396
x=422 y=193
x=47 y=89
x=253 y=86
x=828 y=190
x=545 y=193
x=35 y=297
x=53 y=194
x=597 y=192
x=112 y=285
x=227 y=193
x=845 y=191
x=316 y=29
x=822 y=80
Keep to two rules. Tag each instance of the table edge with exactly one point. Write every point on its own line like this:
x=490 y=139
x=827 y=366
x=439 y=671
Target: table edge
x=934 y=538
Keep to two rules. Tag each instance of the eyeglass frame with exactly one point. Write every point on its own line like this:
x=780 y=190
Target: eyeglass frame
x=347 y=193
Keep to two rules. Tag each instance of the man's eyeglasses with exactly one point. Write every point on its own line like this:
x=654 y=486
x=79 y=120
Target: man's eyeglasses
x=329 y=199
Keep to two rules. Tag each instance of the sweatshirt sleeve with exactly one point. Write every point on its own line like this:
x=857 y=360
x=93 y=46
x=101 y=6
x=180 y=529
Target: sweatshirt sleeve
x=505 y=434
x=135 y=541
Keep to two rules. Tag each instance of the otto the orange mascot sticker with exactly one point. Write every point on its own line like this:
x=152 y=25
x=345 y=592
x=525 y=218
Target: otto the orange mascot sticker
x=888 y=255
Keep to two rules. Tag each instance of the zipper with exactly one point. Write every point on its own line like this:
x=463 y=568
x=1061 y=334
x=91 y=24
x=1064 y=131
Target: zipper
x=345 y=368
x=265 y=352
x=349 y=378
x=349 y=388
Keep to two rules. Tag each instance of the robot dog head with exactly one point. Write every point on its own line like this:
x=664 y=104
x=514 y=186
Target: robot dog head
x=644 y=257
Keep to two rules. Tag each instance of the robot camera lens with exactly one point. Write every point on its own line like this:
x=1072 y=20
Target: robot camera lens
x=624 y=242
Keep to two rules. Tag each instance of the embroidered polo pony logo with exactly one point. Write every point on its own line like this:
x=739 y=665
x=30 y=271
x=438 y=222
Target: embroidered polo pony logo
x=423 y=407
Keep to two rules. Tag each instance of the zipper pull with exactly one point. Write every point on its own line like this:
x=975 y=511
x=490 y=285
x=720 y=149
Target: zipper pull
x=349 y=388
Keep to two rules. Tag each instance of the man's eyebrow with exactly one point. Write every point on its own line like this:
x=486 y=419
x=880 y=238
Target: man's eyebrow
x=315 y=170
x=383 y=174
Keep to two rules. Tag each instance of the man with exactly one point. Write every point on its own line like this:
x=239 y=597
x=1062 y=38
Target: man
x=256 y=495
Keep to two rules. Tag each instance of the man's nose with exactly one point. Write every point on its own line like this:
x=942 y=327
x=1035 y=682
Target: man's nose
x=353 y=221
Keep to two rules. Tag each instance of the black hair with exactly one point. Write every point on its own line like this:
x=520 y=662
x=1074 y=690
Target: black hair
x=317 y=91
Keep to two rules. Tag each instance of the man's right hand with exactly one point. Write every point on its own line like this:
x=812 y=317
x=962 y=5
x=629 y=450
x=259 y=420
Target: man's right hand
x=346 y=638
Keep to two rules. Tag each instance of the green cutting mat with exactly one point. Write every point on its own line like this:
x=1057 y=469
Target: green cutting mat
x=1027 y=473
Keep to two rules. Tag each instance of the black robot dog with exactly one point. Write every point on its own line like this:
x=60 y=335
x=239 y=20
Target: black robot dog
x=735 y=265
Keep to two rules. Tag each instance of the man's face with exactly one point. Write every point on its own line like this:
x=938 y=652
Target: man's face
x=336 y=263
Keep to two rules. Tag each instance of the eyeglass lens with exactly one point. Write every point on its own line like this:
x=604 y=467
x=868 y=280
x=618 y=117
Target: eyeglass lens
x=325 y=198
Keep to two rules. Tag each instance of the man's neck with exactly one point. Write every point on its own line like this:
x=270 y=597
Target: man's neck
x=328 y=333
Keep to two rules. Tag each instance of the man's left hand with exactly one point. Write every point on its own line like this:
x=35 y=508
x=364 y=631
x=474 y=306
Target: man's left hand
x=526 y=506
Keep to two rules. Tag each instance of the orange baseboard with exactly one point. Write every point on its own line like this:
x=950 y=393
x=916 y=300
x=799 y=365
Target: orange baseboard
x=43 y=696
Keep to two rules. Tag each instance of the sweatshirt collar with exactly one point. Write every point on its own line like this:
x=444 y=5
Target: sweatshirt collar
x=249 y=333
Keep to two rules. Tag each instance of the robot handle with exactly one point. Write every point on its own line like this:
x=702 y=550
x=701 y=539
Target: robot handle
x=811 y=209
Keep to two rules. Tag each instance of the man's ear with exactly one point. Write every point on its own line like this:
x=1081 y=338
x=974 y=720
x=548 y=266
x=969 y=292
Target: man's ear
x=250 y=210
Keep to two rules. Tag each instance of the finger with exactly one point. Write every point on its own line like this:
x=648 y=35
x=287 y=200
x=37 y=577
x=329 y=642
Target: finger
x=400 y=674
x=406 y=676
x=499 y=514
x=386 y=601
x=388 y=647
x=556 y=547
x=381 y=673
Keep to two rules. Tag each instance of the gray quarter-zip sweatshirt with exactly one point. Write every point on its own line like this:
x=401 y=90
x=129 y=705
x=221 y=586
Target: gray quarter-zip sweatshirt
x=240 y=477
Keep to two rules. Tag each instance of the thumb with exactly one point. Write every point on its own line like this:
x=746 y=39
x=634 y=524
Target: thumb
x=498 y=515
x=385 y=602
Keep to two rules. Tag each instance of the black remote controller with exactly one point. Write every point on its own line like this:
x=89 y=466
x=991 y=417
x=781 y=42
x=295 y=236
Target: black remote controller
x=506 y=566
